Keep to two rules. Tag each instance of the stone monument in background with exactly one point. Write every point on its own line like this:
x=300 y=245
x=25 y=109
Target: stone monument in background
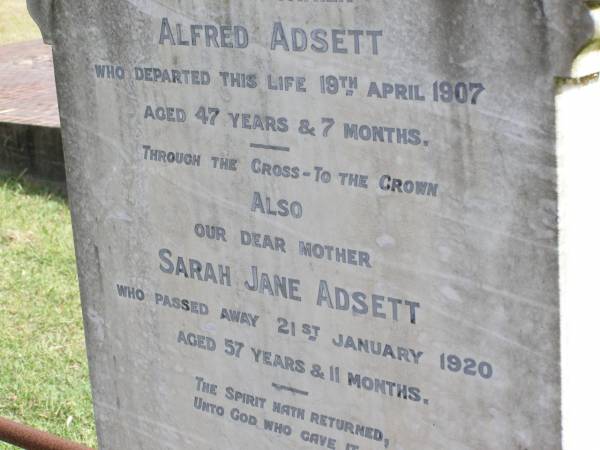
x=316 y=224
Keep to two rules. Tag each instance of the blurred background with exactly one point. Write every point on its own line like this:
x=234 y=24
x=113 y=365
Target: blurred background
x=43 y=366
x=15 y=23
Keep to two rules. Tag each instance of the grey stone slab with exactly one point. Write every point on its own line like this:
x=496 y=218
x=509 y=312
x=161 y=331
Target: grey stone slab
x=400 y=212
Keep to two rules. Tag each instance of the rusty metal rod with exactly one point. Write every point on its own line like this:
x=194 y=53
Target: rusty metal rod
x=31 y=439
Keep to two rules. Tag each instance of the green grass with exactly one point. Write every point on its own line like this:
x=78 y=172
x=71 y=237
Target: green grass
x=15 y=23
x=43 y=367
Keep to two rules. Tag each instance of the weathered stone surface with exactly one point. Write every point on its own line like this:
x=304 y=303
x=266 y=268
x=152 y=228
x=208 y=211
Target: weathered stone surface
x=421 y=168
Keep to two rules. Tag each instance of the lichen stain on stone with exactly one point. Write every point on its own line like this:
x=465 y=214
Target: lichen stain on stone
x=99 y=268
x=540 y=5
x=562 y=82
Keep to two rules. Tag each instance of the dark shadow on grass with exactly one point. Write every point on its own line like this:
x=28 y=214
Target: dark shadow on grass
x=22 y=183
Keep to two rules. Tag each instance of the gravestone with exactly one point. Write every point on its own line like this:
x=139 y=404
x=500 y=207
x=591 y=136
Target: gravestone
x=316 y=224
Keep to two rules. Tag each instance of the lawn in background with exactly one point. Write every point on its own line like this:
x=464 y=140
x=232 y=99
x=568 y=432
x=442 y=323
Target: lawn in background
x=15 y=23
x=43 y=367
